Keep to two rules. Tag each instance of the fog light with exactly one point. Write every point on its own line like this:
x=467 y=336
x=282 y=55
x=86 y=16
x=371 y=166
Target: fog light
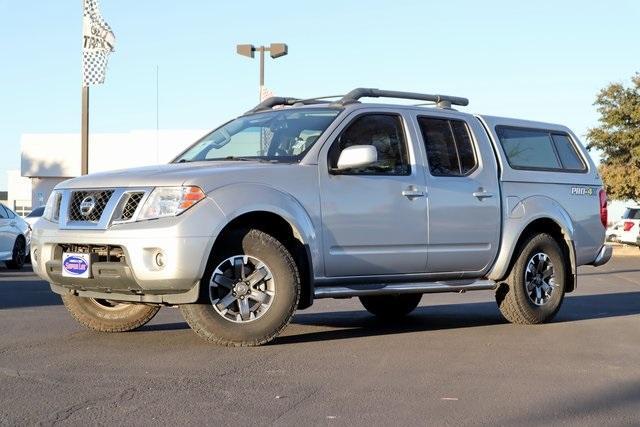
x=160 y=259
x=36 y=255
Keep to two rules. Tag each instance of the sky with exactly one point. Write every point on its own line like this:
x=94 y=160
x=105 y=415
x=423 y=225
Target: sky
x=540 y=60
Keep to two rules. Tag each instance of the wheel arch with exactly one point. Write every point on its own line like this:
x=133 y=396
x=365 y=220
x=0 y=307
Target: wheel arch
x=278 y=214
x=544 y=215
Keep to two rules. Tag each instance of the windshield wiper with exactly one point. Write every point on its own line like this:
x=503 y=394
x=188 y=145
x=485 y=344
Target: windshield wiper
x=243 y=159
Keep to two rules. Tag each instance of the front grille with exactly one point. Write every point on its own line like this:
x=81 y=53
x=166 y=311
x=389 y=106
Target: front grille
x=91 y=210
x=130 y=206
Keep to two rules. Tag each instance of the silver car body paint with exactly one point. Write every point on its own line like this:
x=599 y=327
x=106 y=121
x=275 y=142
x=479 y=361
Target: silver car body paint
x=358 y=229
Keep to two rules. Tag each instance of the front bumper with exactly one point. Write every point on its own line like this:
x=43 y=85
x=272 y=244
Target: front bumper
x=183 y=241
x=603 y=257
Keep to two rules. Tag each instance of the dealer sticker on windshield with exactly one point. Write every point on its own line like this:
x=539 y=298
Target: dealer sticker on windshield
x=583 y=191
x=76 y=265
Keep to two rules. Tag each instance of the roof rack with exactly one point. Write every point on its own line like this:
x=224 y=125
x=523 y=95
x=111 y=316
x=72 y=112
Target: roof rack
x=271 y=102
x=442 y=101
x=275 y=101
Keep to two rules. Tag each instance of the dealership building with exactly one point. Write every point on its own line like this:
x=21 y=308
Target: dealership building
x=48 y=159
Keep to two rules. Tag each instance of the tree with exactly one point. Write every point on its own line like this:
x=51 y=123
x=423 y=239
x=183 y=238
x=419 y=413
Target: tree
x=618 y=138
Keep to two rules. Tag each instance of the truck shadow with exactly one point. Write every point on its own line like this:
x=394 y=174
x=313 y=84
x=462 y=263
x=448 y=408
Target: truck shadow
x=26 y=293
x=356 y=324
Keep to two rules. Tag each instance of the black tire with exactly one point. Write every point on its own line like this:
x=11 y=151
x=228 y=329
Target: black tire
x=391 y=306
x=211 y=325
x=108 y=316
x=19 y=254
x=516 y=304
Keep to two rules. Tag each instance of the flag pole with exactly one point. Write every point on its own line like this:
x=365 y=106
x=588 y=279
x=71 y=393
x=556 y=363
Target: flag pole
x=84 y=115
x=84 y=132
x=98 y=42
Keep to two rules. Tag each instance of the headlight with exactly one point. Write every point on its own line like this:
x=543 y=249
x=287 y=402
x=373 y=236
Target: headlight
x=52 y=208
x=170 y=201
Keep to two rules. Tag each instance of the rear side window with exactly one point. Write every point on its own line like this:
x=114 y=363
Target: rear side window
x=448 y=145
x=567 y=153
x=539 y=149
x=631 y=213
x=3 y=213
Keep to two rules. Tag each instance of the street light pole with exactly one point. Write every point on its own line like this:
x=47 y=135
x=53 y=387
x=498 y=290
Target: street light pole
x=261 y=49
x=276 y=50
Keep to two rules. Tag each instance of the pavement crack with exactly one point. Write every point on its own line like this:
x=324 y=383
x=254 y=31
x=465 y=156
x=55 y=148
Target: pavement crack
x=66 y=413
x=296 y=404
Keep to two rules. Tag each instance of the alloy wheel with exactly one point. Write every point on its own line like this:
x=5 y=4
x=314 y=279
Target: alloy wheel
x=540 y=279
x=242 y=288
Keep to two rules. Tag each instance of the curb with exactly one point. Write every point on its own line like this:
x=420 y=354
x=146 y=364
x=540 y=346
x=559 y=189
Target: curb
x=625 y=250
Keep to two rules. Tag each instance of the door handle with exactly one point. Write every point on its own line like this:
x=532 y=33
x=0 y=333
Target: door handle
x=12 y=223
x=482 y=195
x=412 y=192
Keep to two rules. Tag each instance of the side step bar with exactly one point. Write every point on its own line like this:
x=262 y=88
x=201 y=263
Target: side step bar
x=403 y=288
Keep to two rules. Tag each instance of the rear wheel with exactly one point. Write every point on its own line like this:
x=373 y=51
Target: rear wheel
x=535 y=288
x=19 y=254
x=249 y=292
x=391 y=306
x=109 y=316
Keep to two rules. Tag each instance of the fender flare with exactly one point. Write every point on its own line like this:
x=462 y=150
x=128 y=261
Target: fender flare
x=235 y=200
x=518 y=216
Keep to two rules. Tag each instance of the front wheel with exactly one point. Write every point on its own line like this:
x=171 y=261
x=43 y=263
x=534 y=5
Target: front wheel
x=534 y=290
x=249 y=292
x=391 y=306
x=108 y=316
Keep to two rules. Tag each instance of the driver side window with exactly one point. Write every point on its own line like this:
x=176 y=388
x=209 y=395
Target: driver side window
x=386 y=134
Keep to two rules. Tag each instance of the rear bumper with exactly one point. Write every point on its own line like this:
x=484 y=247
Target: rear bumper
x=604 y=255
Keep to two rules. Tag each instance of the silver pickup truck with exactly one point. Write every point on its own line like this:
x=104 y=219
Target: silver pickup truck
x=300 y=199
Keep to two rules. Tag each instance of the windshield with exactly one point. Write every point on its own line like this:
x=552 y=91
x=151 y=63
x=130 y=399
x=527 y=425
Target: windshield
x=282 y=135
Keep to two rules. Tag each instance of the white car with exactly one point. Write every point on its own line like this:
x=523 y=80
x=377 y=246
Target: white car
x=613 y=233
x=15 y=238
x=34 y=215
x=630 y=226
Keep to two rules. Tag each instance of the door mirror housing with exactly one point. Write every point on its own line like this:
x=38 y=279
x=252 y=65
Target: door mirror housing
x=357 y=156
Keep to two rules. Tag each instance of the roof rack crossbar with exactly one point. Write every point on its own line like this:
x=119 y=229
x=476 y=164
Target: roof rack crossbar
x=275 y=101
x=443 y=101
x=271 y=102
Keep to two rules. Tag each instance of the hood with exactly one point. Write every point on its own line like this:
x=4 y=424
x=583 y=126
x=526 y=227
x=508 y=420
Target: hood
x=203 y=174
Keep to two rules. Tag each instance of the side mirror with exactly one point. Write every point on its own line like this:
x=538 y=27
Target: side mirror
x=357 y=156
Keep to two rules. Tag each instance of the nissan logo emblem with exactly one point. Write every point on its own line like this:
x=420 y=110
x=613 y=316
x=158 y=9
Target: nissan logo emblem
x=87 y=206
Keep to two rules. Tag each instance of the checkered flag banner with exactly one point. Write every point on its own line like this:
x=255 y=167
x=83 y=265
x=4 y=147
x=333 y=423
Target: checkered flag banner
x=98 y=43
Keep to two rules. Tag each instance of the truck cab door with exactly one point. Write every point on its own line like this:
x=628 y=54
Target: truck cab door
x=463 y=192
x=374 y=218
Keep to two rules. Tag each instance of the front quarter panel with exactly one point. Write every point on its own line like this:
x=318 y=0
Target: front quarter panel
x=238 y=199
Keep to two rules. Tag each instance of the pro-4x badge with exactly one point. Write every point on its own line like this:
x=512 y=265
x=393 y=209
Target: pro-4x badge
x=583 y=191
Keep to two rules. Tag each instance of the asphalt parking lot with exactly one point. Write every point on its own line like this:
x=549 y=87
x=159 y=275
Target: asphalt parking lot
x=454 y=361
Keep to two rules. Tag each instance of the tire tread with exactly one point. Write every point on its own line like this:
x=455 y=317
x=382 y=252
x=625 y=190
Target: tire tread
x=191 y=317
x=71 y=303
